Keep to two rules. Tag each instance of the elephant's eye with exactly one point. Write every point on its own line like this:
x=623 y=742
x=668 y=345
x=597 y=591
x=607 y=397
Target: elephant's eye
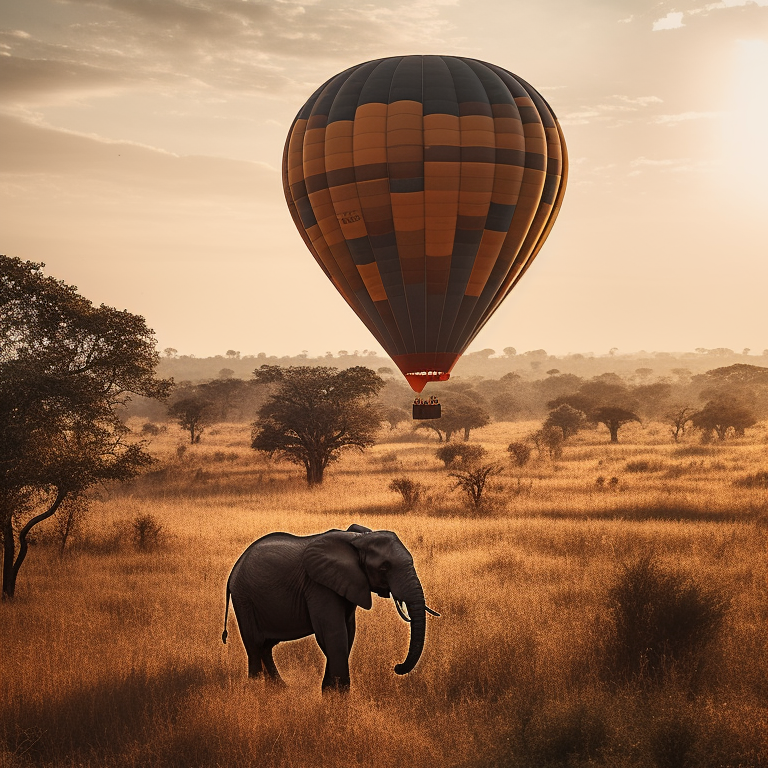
x=384 y=567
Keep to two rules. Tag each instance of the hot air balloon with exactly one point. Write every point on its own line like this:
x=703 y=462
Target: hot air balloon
x=424 y=186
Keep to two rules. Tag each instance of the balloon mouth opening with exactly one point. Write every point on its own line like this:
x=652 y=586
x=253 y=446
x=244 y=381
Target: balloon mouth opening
x=419 y=379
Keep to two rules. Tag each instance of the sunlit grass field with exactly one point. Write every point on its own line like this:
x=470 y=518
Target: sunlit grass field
x=112 y=655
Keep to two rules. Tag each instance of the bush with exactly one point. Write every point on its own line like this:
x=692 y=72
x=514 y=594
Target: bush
x=644 y=465
x=473 y=481
x=660 y=621
x=411 y=491
x=466 y=453
x=150 y=429
x=145 y=532
x=520 y=453
x=757 y=480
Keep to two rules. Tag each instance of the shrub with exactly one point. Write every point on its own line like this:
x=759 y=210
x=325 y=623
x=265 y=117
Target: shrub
x=150 y=429
x=473 y=481
x=757 y=480
x=643 y=465
x=520 y=453
x=548 y=440
x=660 y=620
x=411 y=491
x=573 y=730
x=693 y=450
x=145 y=532
x=466 y=453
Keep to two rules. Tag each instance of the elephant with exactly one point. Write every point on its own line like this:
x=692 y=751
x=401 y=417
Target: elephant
x=285 y=587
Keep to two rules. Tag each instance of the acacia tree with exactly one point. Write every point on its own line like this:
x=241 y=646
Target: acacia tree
x=568 y=419
x=314 y=413
x=721 y=416
x=614 y=418
x=462 y=413
x=66 y=367
x=192 y=414
x=678 y=419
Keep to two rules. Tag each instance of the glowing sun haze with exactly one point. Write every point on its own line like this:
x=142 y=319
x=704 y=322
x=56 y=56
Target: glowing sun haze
x=141 y=145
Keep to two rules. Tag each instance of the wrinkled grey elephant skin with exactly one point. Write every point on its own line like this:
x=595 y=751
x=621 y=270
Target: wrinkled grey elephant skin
x=285 y=587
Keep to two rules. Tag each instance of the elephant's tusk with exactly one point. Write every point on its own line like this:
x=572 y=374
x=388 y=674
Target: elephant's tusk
x=429 y=610
x=400 y=611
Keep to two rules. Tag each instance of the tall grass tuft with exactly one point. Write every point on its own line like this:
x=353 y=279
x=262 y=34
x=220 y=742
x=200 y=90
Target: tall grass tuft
x=662 y=622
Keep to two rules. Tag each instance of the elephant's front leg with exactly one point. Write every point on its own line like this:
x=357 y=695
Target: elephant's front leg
x=328 y=612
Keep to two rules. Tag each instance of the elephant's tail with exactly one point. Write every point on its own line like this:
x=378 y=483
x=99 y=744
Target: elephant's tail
x=226 y=616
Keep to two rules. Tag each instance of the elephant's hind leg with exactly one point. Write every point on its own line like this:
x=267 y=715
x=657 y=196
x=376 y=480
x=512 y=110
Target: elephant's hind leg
x=246 y=622
x=269 y=664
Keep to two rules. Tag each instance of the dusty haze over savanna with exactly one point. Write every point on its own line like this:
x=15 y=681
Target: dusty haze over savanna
x=141 y=149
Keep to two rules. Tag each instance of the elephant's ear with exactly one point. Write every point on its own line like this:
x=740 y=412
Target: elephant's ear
x=332 y=561
x=355 y=528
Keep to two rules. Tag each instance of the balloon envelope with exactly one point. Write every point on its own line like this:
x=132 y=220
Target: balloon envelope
x=424 y=186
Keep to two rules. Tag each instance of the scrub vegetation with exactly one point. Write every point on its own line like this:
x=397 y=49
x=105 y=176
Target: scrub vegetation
x=584 y=623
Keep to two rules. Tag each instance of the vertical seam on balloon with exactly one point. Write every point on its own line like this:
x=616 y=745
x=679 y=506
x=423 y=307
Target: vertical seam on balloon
x=386 y=129
x=467 y=323
x=504 y=290
x=546 y=229
x=424 y=205
x=386 y=333
x=442 y=310
x=350 y=297
x=453 y=328
x=456 y=222
x=389 y=303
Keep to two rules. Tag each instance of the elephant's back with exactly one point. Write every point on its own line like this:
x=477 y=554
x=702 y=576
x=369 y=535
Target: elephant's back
x=271 y=562
x=268 y=581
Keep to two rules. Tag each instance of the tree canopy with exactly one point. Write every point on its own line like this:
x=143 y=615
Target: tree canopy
x=614 y=418
x=314 y=413
x=66 y=366
x=722 y=416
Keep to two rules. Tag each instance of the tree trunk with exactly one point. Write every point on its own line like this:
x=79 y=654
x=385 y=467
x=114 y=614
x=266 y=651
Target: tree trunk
x=314 y=471
x=614 y=432
x=9 y=551
x=10 y=573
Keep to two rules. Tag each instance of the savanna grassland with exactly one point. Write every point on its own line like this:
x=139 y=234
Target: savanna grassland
x=112 y=654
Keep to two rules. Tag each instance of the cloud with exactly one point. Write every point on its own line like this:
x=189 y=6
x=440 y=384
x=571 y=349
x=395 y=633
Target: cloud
x=33 y=153
x=236 y=46
x=669 y=165
x=642 y=101
x=673 y=20
x=609 y=110
x=684 y=117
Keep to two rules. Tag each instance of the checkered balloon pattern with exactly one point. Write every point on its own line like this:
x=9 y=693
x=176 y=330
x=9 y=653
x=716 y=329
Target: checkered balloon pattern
x=424 y=186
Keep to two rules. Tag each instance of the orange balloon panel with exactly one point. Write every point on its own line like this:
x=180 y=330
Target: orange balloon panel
x=424 y=186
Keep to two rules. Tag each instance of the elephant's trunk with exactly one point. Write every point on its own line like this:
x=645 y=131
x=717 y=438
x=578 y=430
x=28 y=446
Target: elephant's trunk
x=409 y=591
x=418 y=615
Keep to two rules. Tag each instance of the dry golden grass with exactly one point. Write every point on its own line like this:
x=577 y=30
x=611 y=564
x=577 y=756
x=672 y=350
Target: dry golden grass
x=112 y=656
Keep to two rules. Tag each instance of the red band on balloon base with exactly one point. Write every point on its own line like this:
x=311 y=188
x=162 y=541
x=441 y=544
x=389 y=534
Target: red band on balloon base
x=422 y=367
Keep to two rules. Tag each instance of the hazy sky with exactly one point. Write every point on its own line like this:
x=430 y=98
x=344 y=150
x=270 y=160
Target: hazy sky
x=141 y=140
